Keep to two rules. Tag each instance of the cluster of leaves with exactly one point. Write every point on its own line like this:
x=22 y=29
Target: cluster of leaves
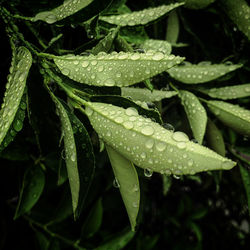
x=72 y=129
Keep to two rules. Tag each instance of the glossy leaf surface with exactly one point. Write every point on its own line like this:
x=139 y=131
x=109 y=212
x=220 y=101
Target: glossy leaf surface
x=157 y=45
x=128 y=183
x=115 y=69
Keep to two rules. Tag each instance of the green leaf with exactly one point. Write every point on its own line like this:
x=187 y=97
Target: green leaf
x=139 y=94
x=214 y=138
x=228 y=92
x=238 y=12
x=118 y=242
x=106 y=43
x=68 y=8
x=32 y=188
x=197 y=4
x=173 y=28
x=141 y=17
x=12 y=110
x=149 y=145
x=78 y=152
x=42 y=240
x=93 y=221
x=245 y=175
x=196 y=114
x=200 y=73
x=232 y=116
x=166 y=184
x=157 y=45
x=128 y=182
x=115 y=69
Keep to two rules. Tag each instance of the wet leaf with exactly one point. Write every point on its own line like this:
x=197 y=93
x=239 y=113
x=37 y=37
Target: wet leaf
x=157 y=45
x=32 y=188
x=141 y=17
x=118 y=242
x=128 y=182
x=228 y=92
x=115 y=69
x=196 y=114
x=173 y=28
x=12 y=110
x=69 y=7
x=148 y=145
x=232 y=116
x=214 y=138
x=239 y=13
x=139 y=94
x=202 y=72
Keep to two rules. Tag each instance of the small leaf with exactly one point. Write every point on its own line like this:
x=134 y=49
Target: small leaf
x=157 y=45
x=93 y=221
x=231 y=115
x=32 y=188
x=76 y=140
x=200 y=73
x=139 y=94
x=197 y=4
x=12 y=110
x=245 y=175
x=149 y=145
x=239 y=12
x=215 y=139
x=196 y=114
x=228 y=92
x=173 y=28
x=118 y=242
x=166 y=184
x=115 y=69
x=141 y=17
x=126 y=175
x=69 y=7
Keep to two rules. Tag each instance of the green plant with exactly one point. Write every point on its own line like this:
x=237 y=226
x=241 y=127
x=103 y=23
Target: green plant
x=78 y=60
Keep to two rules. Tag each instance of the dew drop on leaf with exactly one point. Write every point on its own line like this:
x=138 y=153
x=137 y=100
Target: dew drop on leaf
x=149 y=143
x=147 y=172
x=147 y=130
x=180 y=137
x=116 y=184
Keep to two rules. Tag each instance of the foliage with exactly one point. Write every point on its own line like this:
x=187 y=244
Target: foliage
x=101 y=102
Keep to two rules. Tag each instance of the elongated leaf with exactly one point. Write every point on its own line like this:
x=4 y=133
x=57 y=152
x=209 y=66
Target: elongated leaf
x=157 y=45
x=215 y=139
x=245 y=175
x=32 y=188
x=196 y=114
x=93 y=221
x=197 y=4
x=200 y=73
x=69 y=7
x=12 y=109
x=173 y=28
x=229 y=92
x=238 y=11
x=232 y=115
x=119 y=242
x=149 y=145
x=106 y=43
x=76 y=140
x=115 y=69
x=139 y=94
x=140 y=17
x=126 y=175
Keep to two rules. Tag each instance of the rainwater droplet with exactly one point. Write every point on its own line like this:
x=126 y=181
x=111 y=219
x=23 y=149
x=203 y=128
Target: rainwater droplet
x=247 y=89
x=116 y=184
x=85 y=64
x=51 y=18
x=109 y=82
x=135 y=56
x=158 y=56
x=65 y=71
x=168 y=126
x=160 y=146
x=147 y=130
x=180 y=137
x=128 y=125
x=18 y=125
x=227 y=164
x=89 y=111
x=135 y=204
x=149 y=143
x=147 y=172
x=131 y=111
x=177 y=176
x=181 y=145
x=135 y=188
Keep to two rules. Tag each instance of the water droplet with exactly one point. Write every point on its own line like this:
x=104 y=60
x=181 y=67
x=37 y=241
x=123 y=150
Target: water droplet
x=73 y=157
x=94 y=62
x=160 y=146
x=227 y=164
x=109 y=82
x=119 y=119
x=18 y=125
x=89 y=111
x=147 y=172
x=177 y=176
x=149 y=143
x=135 y=188
x=131 y=111
x=143 y=155
x=85 y=64
x=51 y=18
x=135 y=56
x=135 y=204
x=128 y=125
x=181 y=145
x=247 y=89
x=180 y=137
x=158 y=56
x=147 y=130
x=22 y=77
x=65 y=71
x=116 y=184
x=190 y=163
